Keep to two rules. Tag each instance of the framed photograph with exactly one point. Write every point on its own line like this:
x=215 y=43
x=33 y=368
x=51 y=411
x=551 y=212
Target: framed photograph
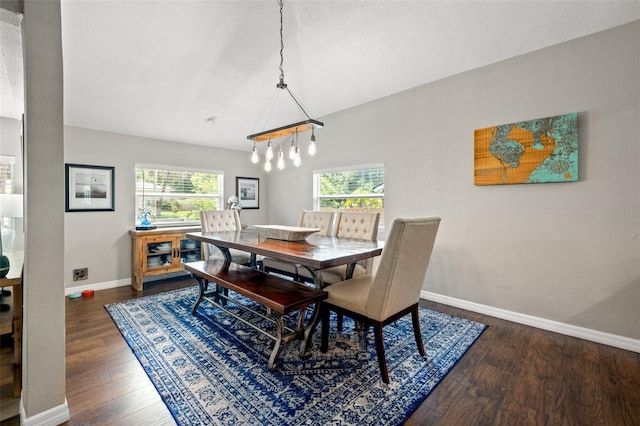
x=89 y=188
x=248 y=192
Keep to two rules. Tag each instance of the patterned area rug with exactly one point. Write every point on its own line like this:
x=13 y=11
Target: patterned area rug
x=212 y=369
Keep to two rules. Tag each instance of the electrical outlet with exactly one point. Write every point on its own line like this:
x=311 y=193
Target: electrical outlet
x=80 y=274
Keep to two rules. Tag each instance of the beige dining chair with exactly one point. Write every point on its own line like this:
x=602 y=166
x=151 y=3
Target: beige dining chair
x=393 y=291
x=221 y=221
x=322 y=220
x=356 y=225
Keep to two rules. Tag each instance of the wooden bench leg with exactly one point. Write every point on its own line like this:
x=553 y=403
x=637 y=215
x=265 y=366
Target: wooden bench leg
x=278 y=336
x=308 y=332
x=243 y=281
x=202 y=285
x=300 y=328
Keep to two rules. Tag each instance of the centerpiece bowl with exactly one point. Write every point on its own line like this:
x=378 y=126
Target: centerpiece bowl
x=286 y=233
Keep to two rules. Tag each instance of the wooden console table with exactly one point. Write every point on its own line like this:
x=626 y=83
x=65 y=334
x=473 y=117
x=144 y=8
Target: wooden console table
x=11 y=320
x=161 y=251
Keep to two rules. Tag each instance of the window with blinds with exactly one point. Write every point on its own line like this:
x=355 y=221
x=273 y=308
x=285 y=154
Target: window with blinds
x=355 y=189
x=7 y=173
x=175 y=197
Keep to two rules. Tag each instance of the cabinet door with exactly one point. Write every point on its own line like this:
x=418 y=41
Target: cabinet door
x=161 y=252
x=189 y=250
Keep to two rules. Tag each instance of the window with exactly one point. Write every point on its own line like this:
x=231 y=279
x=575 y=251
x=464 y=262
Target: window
x=7 y=183
x=356 y=189
x=7 y=173
x=174 y=197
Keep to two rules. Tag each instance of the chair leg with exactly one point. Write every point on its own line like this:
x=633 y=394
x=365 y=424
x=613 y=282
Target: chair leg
x=382 y=362
x=416 y=330
x=324 y=338
x=340 y=318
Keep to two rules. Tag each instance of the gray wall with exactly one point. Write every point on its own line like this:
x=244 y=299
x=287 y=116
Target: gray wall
x=106 y=249
x=566 y=252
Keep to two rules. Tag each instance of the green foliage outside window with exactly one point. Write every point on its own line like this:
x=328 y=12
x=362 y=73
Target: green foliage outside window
x=177 y=196
x=357 y=189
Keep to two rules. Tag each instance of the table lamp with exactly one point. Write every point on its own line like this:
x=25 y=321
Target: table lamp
x=10 y=206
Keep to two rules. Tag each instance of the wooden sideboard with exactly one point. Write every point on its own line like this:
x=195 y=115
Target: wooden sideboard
x=161 y=251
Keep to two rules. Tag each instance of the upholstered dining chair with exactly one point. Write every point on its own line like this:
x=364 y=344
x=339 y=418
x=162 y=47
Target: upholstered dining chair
x=393 y=291
x=322 y=220
x=356 y=225
x=220 y=221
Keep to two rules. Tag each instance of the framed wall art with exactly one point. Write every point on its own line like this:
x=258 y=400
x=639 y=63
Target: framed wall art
x=89 y=188
x=534 y=151
x=248 y=192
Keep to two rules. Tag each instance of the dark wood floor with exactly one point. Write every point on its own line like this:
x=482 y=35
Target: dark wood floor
x=513 y=375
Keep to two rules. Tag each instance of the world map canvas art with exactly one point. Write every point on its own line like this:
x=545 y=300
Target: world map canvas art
x=535 y=151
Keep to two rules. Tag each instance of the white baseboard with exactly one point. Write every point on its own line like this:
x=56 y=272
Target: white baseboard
x=53 y=416
x=120 y=283
x=97 y=286
x=544 y=324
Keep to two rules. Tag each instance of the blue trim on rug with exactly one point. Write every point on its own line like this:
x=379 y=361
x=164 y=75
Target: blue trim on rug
x=210 y=368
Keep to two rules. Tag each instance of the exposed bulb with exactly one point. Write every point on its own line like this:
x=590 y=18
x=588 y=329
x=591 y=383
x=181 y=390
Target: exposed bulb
x=292 y=149
x=269 y=155
x=254 y=154
x=267 y=166
x=312 y=144
x=280 y=163
x=297 y=161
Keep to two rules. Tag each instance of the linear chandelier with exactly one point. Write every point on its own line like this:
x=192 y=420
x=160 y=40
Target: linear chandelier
x=283 y=132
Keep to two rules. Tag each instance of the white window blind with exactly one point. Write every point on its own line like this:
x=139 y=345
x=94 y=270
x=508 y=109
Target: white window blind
x=355 y=189
x=175 y=197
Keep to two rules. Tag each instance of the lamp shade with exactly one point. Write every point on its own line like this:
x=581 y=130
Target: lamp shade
x=10 y=205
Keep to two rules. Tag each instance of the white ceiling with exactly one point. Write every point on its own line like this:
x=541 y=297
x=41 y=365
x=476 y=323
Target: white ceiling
x=203 y=71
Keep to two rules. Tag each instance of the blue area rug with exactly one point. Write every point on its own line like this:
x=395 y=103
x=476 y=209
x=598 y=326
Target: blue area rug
x=212 y=369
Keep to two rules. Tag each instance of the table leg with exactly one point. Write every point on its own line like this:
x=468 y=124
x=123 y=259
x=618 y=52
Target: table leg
x=226 y=253
x=276 y=347
x=308 y=332
x=315 y=316
x=202 y=286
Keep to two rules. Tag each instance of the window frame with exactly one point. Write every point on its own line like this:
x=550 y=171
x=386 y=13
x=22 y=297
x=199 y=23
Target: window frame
x=316 y=188
x=163 y=223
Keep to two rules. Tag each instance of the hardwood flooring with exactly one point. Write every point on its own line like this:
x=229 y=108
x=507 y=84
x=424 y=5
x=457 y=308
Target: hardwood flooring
x=513 y=375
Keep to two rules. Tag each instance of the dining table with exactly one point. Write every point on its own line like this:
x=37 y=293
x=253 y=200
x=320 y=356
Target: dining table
x=314 y=253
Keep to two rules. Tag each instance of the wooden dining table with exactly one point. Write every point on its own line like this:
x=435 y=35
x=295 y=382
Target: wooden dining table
x=313 y=253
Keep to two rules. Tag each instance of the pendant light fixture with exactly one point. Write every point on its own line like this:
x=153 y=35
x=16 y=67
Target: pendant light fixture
x=284 y=132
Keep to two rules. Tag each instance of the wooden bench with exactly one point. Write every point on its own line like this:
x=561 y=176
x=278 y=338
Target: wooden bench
x=278 y=295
